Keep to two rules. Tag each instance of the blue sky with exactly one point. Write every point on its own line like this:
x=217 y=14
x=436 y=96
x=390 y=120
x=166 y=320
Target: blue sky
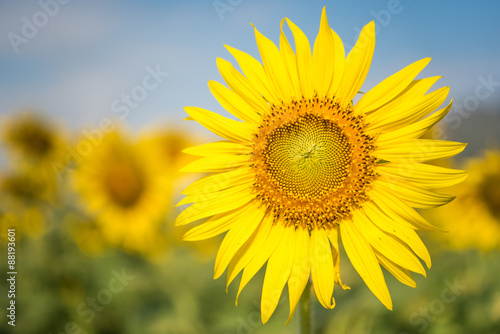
x=90 y=53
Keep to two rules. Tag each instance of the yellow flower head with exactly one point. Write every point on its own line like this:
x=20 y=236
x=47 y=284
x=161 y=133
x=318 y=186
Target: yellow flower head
x=168 y=143
x=305 y=165
x=32 y=137
x=27 y=199
x=23 y=189
x=25 y=203
x=27 y=221
x=477 y=207
x=122 y=185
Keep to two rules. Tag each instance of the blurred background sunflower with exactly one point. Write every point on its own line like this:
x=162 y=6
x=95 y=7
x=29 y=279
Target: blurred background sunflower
x=473 y=218
x=25 y=202
x=31 y=138
x=123 y=186
x=92 y=98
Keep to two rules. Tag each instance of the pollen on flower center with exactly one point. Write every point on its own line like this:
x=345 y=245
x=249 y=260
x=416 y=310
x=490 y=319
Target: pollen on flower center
x=313 y=161
x=309 y=156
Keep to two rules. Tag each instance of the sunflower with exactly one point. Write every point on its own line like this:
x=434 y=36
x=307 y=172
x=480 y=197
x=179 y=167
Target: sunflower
x=34 y=145
x=122 y=186
x=306 y=166
x=26 y=202
x=23 y=189
x=32 y=137
x=30 y=221
x=477 y=207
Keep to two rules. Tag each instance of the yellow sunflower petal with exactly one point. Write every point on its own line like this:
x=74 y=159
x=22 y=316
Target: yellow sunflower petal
x=209 y=208
x=214 y=226
x=398 y=230
x=417 y=88
x=357 y=65
x=415 y=130
x=419 y=150
x=388 y=246
x=333 y=236
x=415 y=91
x=425 y=175
x=239 y=233
x=322 y=270
x=246 y=253
x=398 y=210
x=241 y=86
x=255 y=73
x=338 y=64
x=413 y=195
x=323 y=61
x=263 y=255
x=301 y=270
x=234 y=103
x=232 y=191
x=304 y=60
x=401 y=274
x=390 y=87
x=218 y=148
x=365 y=262
x=397 y=116
x=290 y=61
x=277 y=273
x=218 y=181
x=224 y=127
x=274 y=66
x=217 y=163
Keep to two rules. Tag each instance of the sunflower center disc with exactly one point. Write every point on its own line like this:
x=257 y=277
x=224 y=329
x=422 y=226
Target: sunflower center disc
x=125 y=184
x=490 y=192
x=308 y=157
x=312 y=161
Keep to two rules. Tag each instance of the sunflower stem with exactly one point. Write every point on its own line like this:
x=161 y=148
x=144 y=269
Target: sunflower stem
x=305 y=321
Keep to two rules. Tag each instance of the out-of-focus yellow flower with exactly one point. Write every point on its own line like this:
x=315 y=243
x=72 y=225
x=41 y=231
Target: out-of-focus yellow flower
x=32 y=138
x=23 y=189
x=30 y=222
x=169 y=143
x=34 y=145
x=25 y=201
x=122 y=184
x=473 y=218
